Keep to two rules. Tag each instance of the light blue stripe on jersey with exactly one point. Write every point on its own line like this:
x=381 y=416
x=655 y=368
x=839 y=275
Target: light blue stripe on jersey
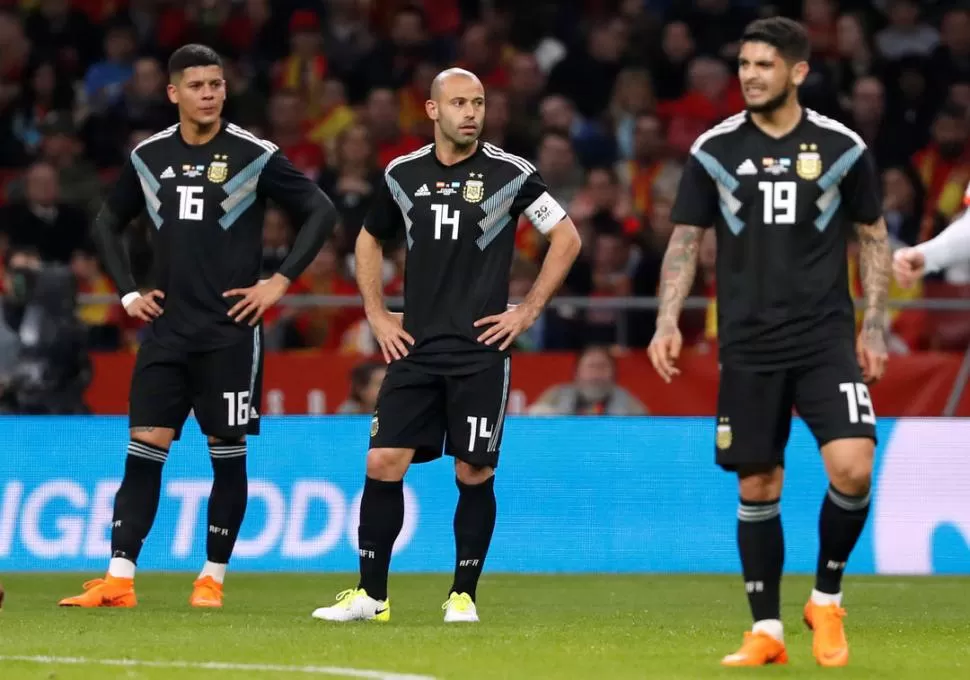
x=830 y=200
x=404 y=203
x=496 y=209
x=727 y=184
x=241 y=190
x=150 y=187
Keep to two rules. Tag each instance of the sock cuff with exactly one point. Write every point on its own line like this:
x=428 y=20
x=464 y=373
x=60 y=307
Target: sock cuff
x=758 y=511
x=147 y=451
x=847 y=502
x=487 y=485
x=378 y=485
x=222 y=450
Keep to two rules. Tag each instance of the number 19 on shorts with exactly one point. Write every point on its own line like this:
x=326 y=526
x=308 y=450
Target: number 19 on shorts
x=858 y=402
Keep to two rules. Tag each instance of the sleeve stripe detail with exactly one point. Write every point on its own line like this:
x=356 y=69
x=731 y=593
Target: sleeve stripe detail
x=834 y=125
x=237 y=131
x=725 y=126
x=167 y=132
x=493 y=151
x=423 y=151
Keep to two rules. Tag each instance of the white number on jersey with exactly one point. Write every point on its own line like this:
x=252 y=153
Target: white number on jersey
x=479 y=424
x=238 y=404
x=859 y=403
x=443 y=218
x=190 y=203
x=779 y=202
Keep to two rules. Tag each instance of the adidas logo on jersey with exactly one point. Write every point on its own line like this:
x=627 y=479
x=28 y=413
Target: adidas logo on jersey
x=423 y=191
x=747 y=168
x=168 y=173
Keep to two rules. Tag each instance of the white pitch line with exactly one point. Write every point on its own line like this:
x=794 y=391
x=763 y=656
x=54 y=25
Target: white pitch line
x=219 y=666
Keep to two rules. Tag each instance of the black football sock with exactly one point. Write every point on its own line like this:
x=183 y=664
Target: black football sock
x=762 y=547
x=227 y=500
x=474 y=524
x=136 y=502
x=381 y=519
x=839 y=525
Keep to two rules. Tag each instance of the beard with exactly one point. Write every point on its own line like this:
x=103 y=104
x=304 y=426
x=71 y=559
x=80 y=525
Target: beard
x=460 y=140
x=772 y=104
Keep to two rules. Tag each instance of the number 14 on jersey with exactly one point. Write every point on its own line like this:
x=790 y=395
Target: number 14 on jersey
x=444 y=217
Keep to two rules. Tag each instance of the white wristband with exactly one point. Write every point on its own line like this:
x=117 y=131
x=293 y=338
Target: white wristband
x=129 y=298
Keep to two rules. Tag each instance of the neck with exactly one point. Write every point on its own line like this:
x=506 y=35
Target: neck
x=195 y=134
x=781 y=121
x=448 y=153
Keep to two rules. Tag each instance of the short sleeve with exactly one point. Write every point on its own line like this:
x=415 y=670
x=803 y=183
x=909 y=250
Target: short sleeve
x=286 y=186
x=861 y=190
x=537 y=205
x=696 y=202
x=126 y=199
x=384 y=220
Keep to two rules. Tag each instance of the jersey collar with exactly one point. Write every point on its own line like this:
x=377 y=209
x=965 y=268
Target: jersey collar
x=222 y=127
x=476 y=154
x=790 y=133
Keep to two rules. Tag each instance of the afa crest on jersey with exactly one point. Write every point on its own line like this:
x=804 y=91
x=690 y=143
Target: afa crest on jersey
x=473 y=191
x=218 y=169
x=808 y=165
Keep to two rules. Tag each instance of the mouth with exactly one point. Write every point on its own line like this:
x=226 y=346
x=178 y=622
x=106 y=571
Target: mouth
x=468 y=129
x=754 y=90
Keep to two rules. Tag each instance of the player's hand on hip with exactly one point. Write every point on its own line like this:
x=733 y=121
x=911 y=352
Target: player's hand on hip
x=145 y=307
x=388 y=330
x=664 y=350
x=871 y=353
x=507 y=326
x=256 y=299
x=909 y=266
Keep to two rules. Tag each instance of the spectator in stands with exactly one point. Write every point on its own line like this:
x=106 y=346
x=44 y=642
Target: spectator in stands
x=245 y=102
x=590 y=142
x=951 y=60
x=277 y=240
x=352 y=182
x=20 y=269
x=100 y=320
x=481 y=53
x=54 y=27
x=334 y=118
x=670 y=66
x=46 y=91
x=556 y=162
x=716 y=26
x=610 y=278
x=943 y=165
x=347 y=36
x=365 y=383
x=14 y=59
x=906 y=35
x=412 y=97
x=650 y=171
x=391 y=62
x=526 y=85
x=383 y=119
x=305 y=69
x=42 y=221
x=324 y=326
x=593 y=392
x=912 y=100
x=602 y=194
x=287 y=131
x=868 y=118
x=586 y=77
x=857 y=56
x=521 y=279
x=632 y=96
x=104 y=81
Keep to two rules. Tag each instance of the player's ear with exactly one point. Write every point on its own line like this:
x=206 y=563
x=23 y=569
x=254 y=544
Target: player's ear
x=431 y=108
x=799 y=72
x=173 y=93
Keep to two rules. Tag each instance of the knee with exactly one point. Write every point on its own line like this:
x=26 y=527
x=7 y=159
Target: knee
x=852 y=477
x=472 y=475
x=387 y=465
x=760 y=484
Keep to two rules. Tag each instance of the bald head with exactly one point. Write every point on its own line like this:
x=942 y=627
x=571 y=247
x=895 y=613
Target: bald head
x=448 y=76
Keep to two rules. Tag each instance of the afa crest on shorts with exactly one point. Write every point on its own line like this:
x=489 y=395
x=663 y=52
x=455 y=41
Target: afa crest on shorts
x=374 y=426
x=218 y=169
x=474 y=190
x=808 y=165
x=724 y=436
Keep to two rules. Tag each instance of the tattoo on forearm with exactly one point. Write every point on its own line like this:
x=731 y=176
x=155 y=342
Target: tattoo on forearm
x=677 y=272
x=875 y=263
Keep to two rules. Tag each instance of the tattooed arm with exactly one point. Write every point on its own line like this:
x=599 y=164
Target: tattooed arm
x=676 y=280
x=875 y=263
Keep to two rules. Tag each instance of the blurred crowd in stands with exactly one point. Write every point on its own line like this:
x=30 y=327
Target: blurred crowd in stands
x=605 y=97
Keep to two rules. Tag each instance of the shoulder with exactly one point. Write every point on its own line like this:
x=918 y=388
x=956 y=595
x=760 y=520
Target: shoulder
x=153 y=141
x=833 y=131
x=498 y=155
x=249 y=141
x=719 y=132
x=417 y=155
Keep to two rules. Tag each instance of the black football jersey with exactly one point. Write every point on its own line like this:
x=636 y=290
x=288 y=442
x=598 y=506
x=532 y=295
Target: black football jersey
x=784 y=210
x=206 y=203
x=459 y=223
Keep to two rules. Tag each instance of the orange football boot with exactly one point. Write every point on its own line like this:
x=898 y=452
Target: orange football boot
x=110 y=591
x=206 y=592
x=828 y=643
x=759 y=649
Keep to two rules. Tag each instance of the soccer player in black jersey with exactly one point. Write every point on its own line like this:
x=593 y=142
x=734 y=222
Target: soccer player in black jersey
x=204 y=184
x=785 y=189
x=457 y=202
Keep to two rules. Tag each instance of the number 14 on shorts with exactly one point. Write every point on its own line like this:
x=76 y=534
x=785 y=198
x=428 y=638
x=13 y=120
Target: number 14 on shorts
x=481 y=426
x=859 y=403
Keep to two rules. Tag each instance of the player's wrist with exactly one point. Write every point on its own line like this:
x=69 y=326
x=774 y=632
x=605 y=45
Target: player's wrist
x=128 y=298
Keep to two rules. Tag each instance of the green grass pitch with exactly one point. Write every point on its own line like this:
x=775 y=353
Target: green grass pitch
x=533 y=626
